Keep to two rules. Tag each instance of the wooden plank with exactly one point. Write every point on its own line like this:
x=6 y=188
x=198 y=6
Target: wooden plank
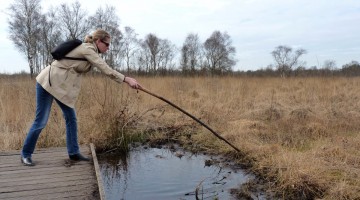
x=53 y=177
x=64 y=195
x=43 y=176
x=44 y=191
x=38 y=168
x=41 y=151
x=45 y=156
x=19 y=167
x=97 y=172
x=53 y=184
x=48 y=179
x=51 y=171
x=41 y=163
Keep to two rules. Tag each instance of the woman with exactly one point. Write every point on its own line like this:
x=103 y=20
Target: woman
x=60 y=81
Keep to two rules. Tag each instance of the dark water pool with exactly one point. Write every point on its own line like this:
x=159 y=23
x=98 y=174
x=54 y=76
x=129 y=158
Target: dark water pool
x=151 y=173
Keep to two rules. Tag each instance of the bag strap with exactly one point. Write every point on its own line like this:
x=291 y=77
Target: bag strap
x=71 y=58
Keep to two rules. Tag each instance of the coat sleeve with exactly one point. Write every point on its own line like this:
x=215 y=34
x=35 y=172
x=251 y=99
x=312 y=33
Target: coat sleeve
x=93 y=57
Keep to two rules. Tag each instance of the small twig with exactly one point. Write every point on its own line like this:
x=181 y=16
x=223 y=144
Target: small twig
x=108 y=151
x=141 y=115
x=197 y=189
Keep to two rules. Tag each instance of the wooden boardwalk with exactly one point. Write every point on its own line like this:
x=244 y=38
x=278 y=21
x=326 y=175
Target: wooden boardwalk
x=54 y=176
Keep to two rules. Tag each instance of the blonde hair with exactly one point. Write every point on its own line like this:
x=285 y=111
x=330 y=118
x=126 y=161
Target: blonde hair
x=99 y=34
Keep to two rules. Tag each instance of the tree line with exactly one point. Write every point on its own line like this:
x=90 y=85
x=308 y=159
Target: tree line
x=34 y=33
x=350 y=69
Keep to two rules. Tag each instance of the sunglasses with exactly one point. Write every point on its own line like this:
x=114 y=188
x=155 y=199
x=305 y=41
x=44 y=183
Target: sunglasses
x=106 y=44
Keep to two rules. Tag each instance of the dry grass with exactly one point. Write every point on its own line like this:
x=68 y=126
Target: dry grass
x=301 y=135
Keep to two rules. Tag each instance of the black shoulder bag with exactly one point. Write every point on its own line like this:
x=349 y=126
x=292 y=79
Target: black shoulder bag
x=60 y=51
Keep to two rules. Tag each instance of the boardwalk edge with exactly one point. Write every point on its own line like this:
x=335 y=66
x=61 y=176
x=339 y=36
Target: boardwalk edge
x=98 y=174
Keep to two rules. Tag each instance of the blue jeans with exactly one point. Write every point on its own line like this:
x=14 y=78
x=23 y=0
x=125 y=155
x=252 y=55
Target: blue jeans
x=43 y=107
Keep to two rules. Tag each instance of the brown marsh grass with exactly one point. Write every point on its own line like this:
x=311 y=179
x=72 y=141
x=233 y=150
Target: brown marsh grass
x=301 y=135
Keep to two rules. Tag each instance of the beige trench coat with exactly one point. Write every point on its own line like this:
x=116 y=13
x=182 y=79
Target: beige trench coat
x=65 y=75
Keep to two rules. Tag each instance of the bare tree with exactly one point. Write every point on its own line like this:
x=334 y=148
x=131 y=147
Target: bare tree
x=167 y=52
x=191 y=54
x=152 y=44
x=285 y=59
x=143 y=57
x=130 y=47
x=351 y=69
x=107 y=20
x=329 y=65
x=72 y=19
x=25 y=24
x=50 y=36
x=156 y=54
x=219 y=53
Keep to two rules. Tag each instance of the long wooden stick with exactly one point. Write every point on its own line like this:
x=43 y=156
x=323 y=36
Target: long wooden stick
x=188 y=114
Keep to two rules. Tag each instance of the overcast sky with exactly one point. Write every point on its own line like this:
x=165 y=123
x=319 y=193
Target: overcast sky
x=327 y=29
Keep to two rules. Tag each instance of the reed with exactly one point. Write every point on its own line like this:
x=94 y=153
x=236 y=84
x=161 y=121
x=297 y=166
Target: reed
x=299 y=134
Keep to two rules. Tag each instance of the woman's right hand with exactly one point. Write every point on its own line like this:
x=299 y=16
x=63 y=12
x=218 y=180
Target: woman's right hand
x=132 y=82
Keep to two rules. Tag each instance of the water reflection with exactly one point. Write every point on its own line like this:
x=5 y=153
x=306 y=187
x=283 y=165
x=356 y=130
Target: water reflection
x=162 y=174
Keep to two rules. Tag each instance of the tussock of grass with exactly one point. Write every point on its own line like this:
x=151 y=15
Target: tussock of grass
x=300 y=135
